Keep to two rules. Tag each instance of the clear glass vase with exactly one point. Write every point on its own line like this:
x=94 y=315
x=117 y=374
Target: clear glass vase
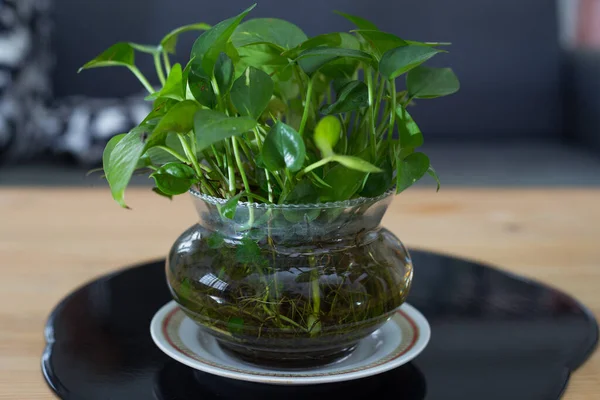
x=289 y=285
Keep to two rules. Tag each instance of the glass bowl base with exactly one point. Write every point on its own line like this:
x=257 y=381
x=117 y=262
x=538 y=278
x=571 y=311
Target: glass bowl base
x=287 y=359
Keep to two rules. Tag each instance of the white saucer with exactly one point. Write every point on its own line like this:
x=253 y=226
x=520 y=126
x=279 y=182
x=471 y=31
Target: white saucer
x=397 y=342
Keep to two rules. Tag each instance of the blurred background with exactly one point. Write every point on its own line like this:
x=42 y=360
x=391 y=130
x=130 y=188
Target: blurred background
x=528 y=112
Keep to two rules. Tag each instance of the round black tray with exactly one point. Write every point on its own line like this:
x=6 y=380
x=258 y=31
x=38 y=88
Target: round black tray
x=494 y=336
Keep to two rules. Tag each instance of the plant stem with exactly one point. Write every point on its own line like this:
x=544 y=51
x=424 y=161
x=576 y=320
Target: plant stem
x=142 y=79
x=159 y=69
x=300 y=82
x=316 y=165
x=230 y=168
x=371 y=117
x=167 y=62
x=306 y=107
x=238 y=160
x=393 y=110
x=192 y=158
x=174 y=154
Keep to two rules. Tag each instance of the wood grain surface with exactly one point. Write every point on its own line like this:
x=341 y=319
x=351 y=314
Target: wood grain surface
x=54 y=240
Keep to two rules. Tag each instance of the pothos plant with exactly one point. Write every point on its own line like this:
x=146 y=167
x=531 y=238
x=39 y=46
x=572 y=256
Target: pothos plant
x=263 y=113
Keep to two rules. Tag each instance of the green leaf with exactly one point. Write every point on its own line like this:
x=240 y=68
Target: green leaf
x=428 y=83
x=312 y=59
x=229 y=208
x=327 y=134
x=344 y=183
x=380 y=42
x=355 y=163
x=435 y=176
x=377 y=184
x=200 y=85
x=173 y=88
x=108 y=150
x=215 y=240
x=169 y=42
x=123 y=161
x=179 y=119
x=174 y=178
x=327 y=39
x=161 y=193
x=409 y=131
x=352 y=96
x=251 y=92
x=360 y=22
x=121 y=54
x=212 y=126
x=224 y=71
x=303 y=193
x=402 y=59
x=235 y=325
x=283 y=148
x=248 y=251
x=279 y=32
x=211 y=43
x=410 y=170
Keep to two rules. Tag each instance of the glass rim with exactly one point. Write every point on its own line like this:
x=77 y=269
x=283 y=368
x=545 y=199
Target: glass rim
x=331 y=204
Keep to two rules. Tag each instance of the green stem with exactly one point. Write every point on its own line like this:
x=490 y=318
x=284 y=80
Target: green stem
x=174 y=154
x=371 y=117
x=300 y=82
x=142 y=79
x=316 y=165
x=240 y=165
x=167 y=62
x=314 y=322
x=230 y=168
x=192 y=158
x=393 y=110
x=159 y=69
x=306 y=107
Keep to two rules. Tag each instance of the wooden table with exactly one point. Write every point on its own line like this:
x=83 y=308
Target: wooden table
x=53 y=240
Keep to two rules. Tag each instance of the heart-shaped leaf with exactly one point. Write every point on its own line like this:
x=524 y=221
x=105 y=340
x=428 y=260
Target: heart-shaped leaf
x=251 y=92
x=303 y=193
x=121 y=54
x=402 y=59
x=360 y=22
x=326 y=40
x=377 y=184
x=279 y=32
x=213 y=42
x=200 y=85
x=212 y=126
x=428 y=83
x=229 y=208
x=112 y=143
x=343 y=183
x=224 y=71
x=312 y=59
x=380 y=42
x=410 y=170
x=173 y=87
x=169 y=42
x=174 y=178
x=123 y=161
x=409 y=132
x=327 y=134
x=355 y=163
x=352 y=96
x=179 y=119
x=283 y=148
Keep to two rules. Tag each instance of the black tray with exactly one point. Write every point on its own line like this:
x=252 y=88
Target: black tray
x=494 y=336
